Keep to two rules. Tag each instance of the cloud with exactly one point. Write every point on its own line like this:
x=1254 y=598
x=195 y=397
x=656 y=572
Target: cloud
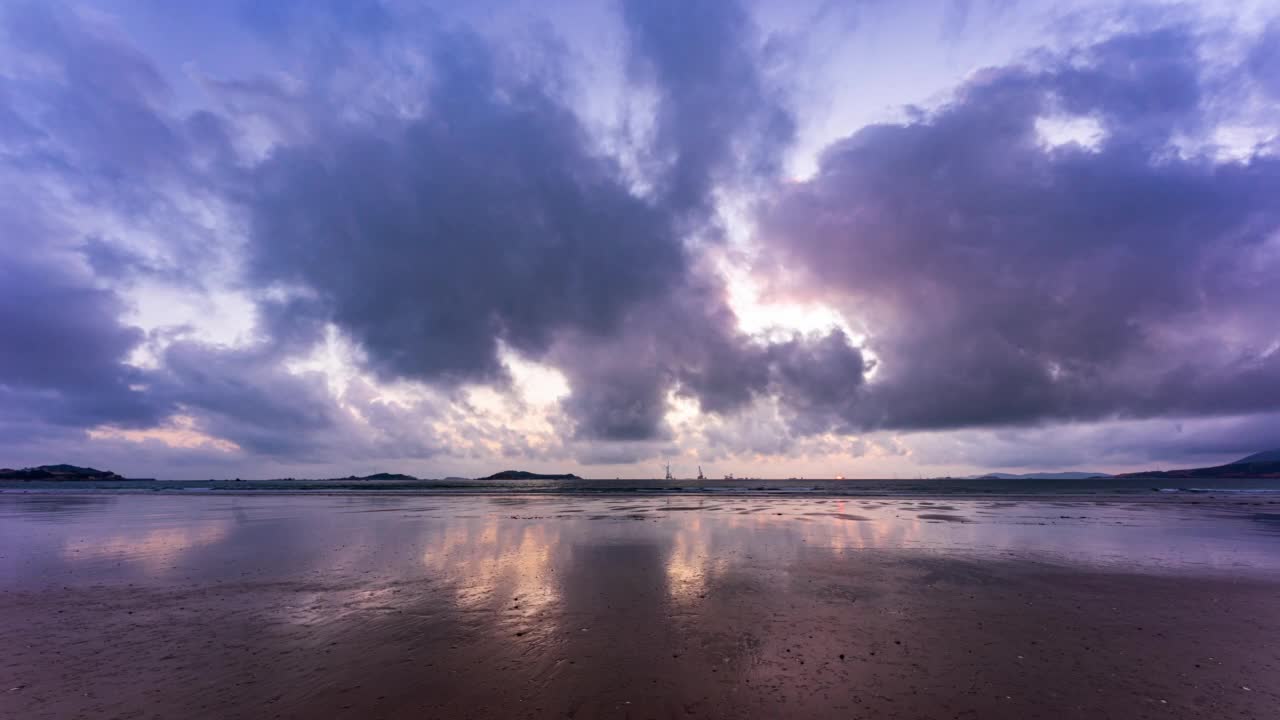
x=1002 y=279
x=818 y=379
x=436 y=203
x=87 y=106
x=88 y=144
x=1115 y=445
x=485 y=219
x=718 y=123
x=492 y=221
x=280 y=18
x=64 y=358
x=249 y=398
x=1264 y=59
x=117 y=123
x=66 y=348
x=489 y=220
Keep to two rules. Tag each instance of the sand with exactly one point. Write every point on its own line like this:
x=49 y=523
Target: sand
x=254 y=607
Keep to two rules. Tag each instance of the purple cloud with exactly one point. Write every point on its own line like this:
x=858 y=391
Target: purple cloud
x=415 y=190
x=1005 y=280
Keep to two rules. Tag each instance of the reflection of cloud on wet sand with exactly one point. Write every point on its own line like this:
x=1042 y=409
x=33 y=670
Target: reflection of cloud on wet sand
x=492 y=561
x=154 y=550
x=53 y=507
x=691 y=564
x=706 y=548
x=299 y=606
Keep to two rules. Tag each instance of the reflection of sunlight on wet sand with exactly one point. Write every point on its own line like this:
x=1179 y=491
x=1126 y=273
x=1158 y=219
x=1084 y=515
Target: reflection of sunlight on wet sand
x=484 y=563
x=155 y=551
x=841 y=535
x=699 y=557
x=1077 y=533
x=470 y=606
x=474 y=555
x=708 y=546
x=693 y=558
x=691 y=566
x=479 y=564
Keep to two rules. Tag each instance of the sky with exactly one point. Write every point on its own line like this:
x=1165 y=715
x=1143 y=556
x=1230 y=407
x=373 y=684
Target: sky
x=878 y=239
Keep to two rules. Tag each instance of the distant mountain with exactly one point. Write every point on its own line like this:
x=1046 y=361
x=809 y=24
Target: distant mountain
x=1238 y=469
x=1265 y=456
x=1044 y=476
x=57 y=472
x=522 y=475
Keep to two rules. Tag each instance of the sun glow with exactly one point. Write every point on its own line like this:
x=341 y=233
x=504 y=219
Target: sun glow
x=1080 y=130
x=775 y=320
x=181 y=432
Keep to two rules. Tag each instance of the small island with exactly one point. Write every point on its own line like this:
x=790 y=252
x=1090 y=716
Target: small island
x=523 y=475
x=61 y=472
x=381 y=476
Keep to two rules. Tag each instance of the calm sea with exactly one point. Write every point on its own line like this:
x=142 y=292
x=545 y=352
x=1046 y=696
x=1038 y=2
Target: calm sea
x=591 y=487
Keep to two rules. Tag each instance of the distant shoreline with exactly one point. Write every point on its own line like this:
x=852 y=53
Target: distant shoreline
x=1265 y=490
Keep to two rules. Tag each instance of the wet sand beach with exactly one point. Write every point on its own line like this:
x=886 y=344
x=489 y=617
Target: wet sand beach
x=367 y=606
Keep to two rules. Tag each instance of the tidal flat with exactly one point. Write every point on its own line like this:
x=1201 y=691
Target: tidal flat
x=469 y=606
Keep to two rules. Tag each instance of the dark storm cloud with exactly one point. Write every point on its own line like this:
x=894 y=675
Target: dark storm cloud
x=97 y=143
x=87 y=129
x=818 y=378
x=88 y=138
x=493 y=220
x=65 y=367
x=97 y=108
x=431 y=241
x=1002 y=280
x=684 y=341
x=489 y=220
x=248 y=398
x=1264 y=61
x=717 y=122
x=436 y=201
x=64 y=355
